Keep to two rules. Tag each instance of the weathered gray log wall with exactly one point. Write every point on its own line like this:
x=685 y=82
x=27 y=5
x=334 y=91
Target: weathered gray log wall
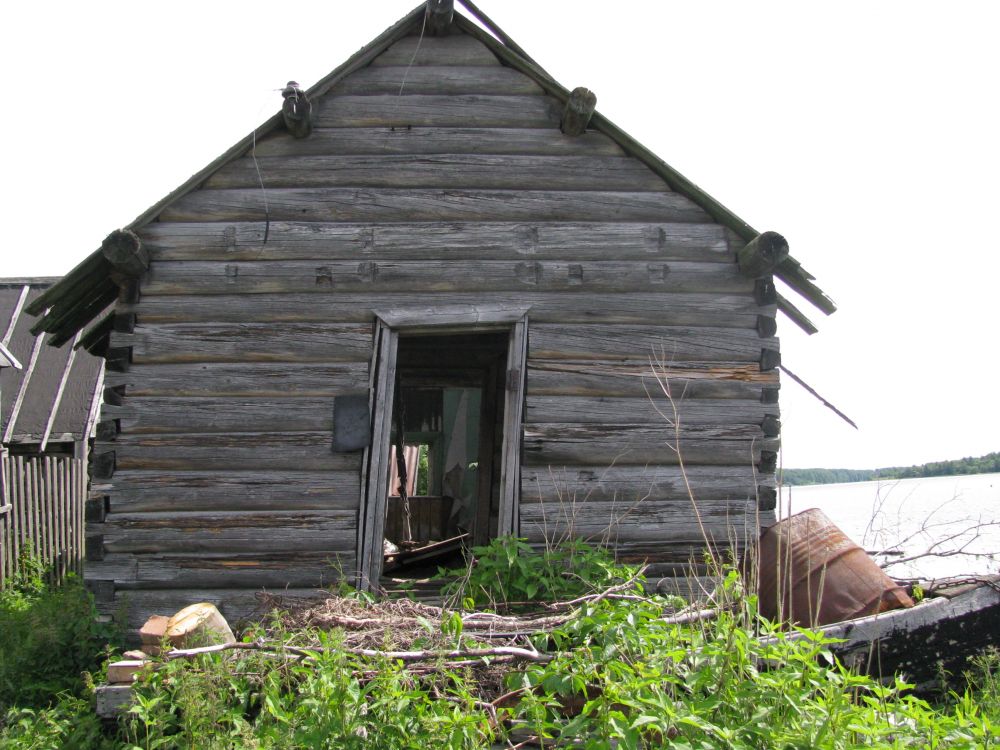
x=214 y=473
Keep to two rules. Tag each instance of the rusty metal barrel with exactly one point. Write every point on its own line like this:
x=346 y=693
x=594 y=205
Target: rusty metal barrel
x=811 y=573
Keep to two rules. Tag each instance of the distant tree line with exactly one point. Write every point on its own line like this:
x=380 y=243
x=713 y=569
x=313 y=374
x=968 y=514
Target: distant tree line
x=988 y=464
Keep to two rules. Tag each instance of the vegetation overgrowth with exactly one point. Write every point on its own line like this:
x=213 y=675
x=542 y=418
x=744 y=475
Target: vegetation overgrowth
x=619 y=669
x=988 y=464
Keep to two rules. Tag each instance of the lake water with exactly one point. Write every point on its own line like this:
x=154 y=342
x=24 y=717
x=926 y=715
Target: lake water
x=938 y=514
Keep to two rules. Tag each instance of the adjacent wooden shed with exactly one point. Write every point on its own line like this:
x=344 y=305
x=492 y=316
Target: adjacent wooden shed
x=450 y=256
x=49 y=404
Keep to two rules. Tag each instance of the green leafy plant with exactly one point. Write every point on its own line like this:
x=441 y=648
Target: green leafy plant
x=509 y=571
x=51 y=639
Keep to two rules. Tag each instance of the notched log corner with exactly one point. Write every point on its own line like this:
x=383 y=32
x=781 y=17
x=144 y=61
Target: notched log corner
x=771 y=426
x=770 y=359
x=95 y=509
x=767 y=498
x=119 y=358
x=579 y=109
x=439 y=15
x=760 y=256
x=296 y=110
x=102 y=465
x=94 y=547
x=125 y=252
x=768 y=462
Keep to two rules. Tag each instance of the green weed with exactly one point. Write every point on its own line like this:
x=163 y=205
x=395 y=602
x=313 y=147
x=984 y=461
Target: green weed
x=509 y=571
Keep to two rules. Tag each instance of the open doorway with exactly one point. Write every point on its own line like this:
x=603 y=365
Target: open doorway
x=446 y=438
x=443 y=467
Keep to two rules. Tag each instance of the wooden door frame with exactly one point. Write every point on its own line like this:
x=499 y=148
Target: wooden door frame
x=389 y=324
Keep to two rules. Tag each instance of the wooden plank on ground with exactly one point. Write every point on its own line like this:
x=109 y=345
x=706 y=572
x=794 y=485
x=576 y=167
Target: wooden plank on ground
x=236 y=604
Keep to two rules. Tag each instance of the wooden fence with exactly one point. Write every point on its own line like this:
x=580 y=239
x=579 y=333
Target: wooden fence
x=45 y=498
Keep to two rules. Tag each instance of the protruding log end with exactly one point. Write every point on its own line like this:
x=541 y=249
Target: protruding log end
x=768 y=463
x=579 y=109
x=118 y=358
x=102 y=465
x=296 y=110
x=770 y=359
x=94 y=510
x=124 y=251
x=439 y=14
x=764 y=292
x=767 y=326
x=93 y=545
x=767 y=498
x=771 y=426
x=107 y=430
x=762 y=254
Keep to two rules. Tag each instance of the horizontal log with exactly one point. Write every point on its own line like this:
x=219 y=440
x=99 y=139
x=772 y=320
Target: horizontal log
x=145 y=415
x=559 y=445
x=235 y=604
x=321 y=242
x=245 y=379
x=253 y=570
x=571 y=489
x=667 y=522
x=386 y=205
x=246 y=342
x=452 y=171
x=653 y=410
x=458 y=50
x=259 y=532
x=663 y=344
x=697 y=308
x=459 y=110
x=261 y=451
x=375 y=277
x=158 y=490
x=639 y=379
x=437 y=80
x=458 y=140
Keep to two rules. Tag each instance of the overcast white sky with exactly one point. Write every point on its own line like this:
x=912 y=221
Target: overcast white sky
x=866 y=133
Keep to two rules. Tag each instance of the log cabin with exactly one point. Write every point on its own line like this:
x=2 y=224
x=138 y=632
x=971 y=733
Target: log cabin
x=452 y=268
